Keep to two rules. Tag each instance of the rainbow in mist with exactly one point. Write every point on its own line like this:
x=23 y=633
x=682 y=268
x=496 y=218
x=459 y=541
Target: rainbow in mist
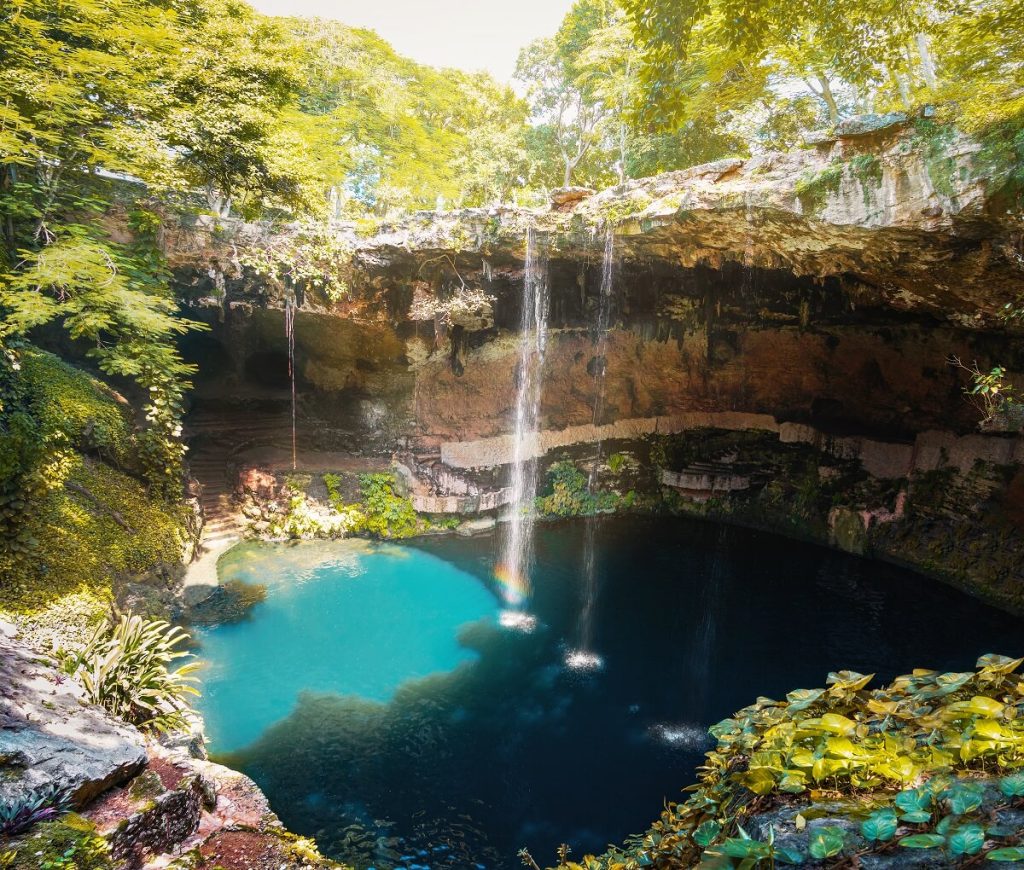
x=515 y=588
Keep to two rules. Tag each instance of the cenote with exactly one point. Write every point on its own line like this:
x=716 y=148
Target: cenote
x=382 y=707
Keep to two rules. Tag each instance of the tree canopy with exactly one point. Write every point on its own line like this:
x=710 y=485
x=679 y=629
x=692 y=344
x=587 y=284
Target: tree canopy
x=115 y=112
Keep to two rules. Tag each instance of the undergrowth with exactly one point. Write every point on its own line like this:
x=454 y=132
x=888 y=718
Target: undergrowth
x=75 y=512
x=925 y=763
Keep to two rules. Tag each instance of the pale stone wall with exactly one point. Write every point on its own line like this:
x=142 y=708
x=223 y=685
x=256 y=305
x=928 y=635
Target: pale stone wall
x=881 y=459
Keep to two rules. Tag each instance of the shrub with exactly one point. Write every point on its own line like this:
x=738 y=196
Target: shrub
x=569 y=494
x=79 y=542
x=127 y=670
x=387 y=514
x=69 y=844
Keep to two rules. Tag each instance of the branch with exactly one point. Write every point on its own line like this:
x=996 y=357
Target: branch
x=113 y=514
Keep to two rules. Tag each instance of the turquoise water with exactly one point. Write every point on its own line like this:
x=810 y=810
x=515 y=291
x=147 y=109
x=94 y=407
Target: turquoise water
x=385 y=710
x=346 y=617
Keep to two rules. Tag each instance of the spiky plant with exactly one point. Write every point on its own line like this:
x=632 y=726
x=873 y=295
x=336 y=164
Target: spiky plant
x=20 y=814
x=127 y=669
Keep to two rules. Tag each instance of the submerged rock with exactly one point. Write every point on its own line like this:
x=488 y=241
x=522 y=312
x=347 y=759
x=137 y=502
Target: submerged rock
x=478 y=526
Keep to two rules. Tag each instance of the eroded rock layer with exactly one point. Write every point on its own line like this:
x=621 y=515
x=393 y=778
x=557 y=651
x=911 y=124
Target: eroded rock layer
x=827 y=288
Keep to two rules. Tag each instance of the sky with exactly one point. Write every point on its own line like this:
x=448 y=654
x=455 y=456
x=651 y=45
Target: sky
x=469 y=34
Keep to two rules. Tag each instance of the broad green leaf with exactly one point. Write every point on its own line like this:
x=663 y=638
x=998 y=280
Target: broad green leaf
x=1009 y=853
x=967 y=840
x=979 y=705
x=998 y=664
x=880 y=825
x=923 y=841
x=847 y=682
x=1012 y=785
x=912 y=799
x=801 y=699
x=706 y=833
x=826 y=842
x=736 y=847
x=759 y=780
x=965 y=798
x=838 y=724
x=792 y=784
x=724 y=728
x=788 y=856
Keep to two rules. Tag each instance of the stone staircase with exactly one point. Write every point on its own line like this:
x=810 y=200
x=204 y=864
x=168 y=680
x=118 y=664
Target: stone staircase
x=223 y=524
x=215 y=436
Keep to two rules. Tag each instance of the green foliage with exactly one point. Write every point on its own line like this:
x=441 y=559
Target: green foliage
x=867 y=169
x=71 y=514
x=827 y=842
x=914 y=745
x=17 y=816
x=990 y=392
x=386 y=513
x=303 y=519
x=309 y=256
x=886 y=55
x=569 y=494
x=79 y=543
x=618 y=462
x=386 y=133
x=127 y=669
x=880 y=826
x=814 y=188
x=69 y=844
x=72 y=407
x=382 y=512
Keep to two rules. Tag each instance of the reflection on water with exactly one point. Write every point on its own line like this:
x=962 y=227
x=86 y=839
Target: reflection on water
x=508 y=747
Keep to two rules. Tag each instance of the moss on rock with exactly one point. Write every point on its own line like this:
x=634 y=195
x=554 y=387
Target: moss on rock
x=71 y=842
x=86 y=520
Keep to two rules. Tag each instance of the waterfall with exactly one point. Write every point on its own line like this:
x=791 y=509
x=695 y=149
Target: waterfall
x=289 y=331
x=513 y=570
x=583 y=657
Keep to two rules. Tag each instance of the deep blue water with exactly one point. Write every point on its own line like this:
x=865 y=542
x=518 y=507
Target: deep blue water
x=383 y=709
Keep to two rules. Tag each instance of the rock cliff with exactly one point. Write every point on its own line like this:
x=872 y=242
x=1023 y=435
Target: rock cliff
x=138 y=802
x=819 y=292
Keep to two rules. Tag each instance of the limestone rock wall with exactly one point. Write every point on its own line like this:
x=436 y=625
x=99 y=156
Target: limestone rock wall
x=822 y=292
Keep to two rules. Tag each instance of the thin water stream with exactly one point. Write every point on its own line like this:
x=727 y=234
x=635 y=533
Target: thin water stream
x=584 y=657
x=514 y=567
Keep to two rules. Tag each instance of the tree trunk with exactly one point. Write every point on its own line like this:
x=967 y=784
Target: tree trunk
x=927 y=61
x=902 y=86
x=829 y=98
x=9 y=179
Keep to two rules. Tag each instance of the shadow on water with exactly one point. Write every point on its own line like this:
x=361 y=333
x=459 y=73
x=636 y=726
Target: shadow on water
x=511 y=749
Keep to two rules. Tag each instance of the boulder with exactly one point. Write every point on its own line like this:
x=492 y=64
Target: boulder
x=480 y=526
x=258 y=482
x=868 y=125
x=50 y=737
x=565 y=198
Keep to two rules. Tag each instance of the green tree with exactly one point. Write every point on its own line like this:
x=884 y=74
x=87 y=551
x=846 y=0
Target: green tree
x=882 y=54
x=390 y=134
